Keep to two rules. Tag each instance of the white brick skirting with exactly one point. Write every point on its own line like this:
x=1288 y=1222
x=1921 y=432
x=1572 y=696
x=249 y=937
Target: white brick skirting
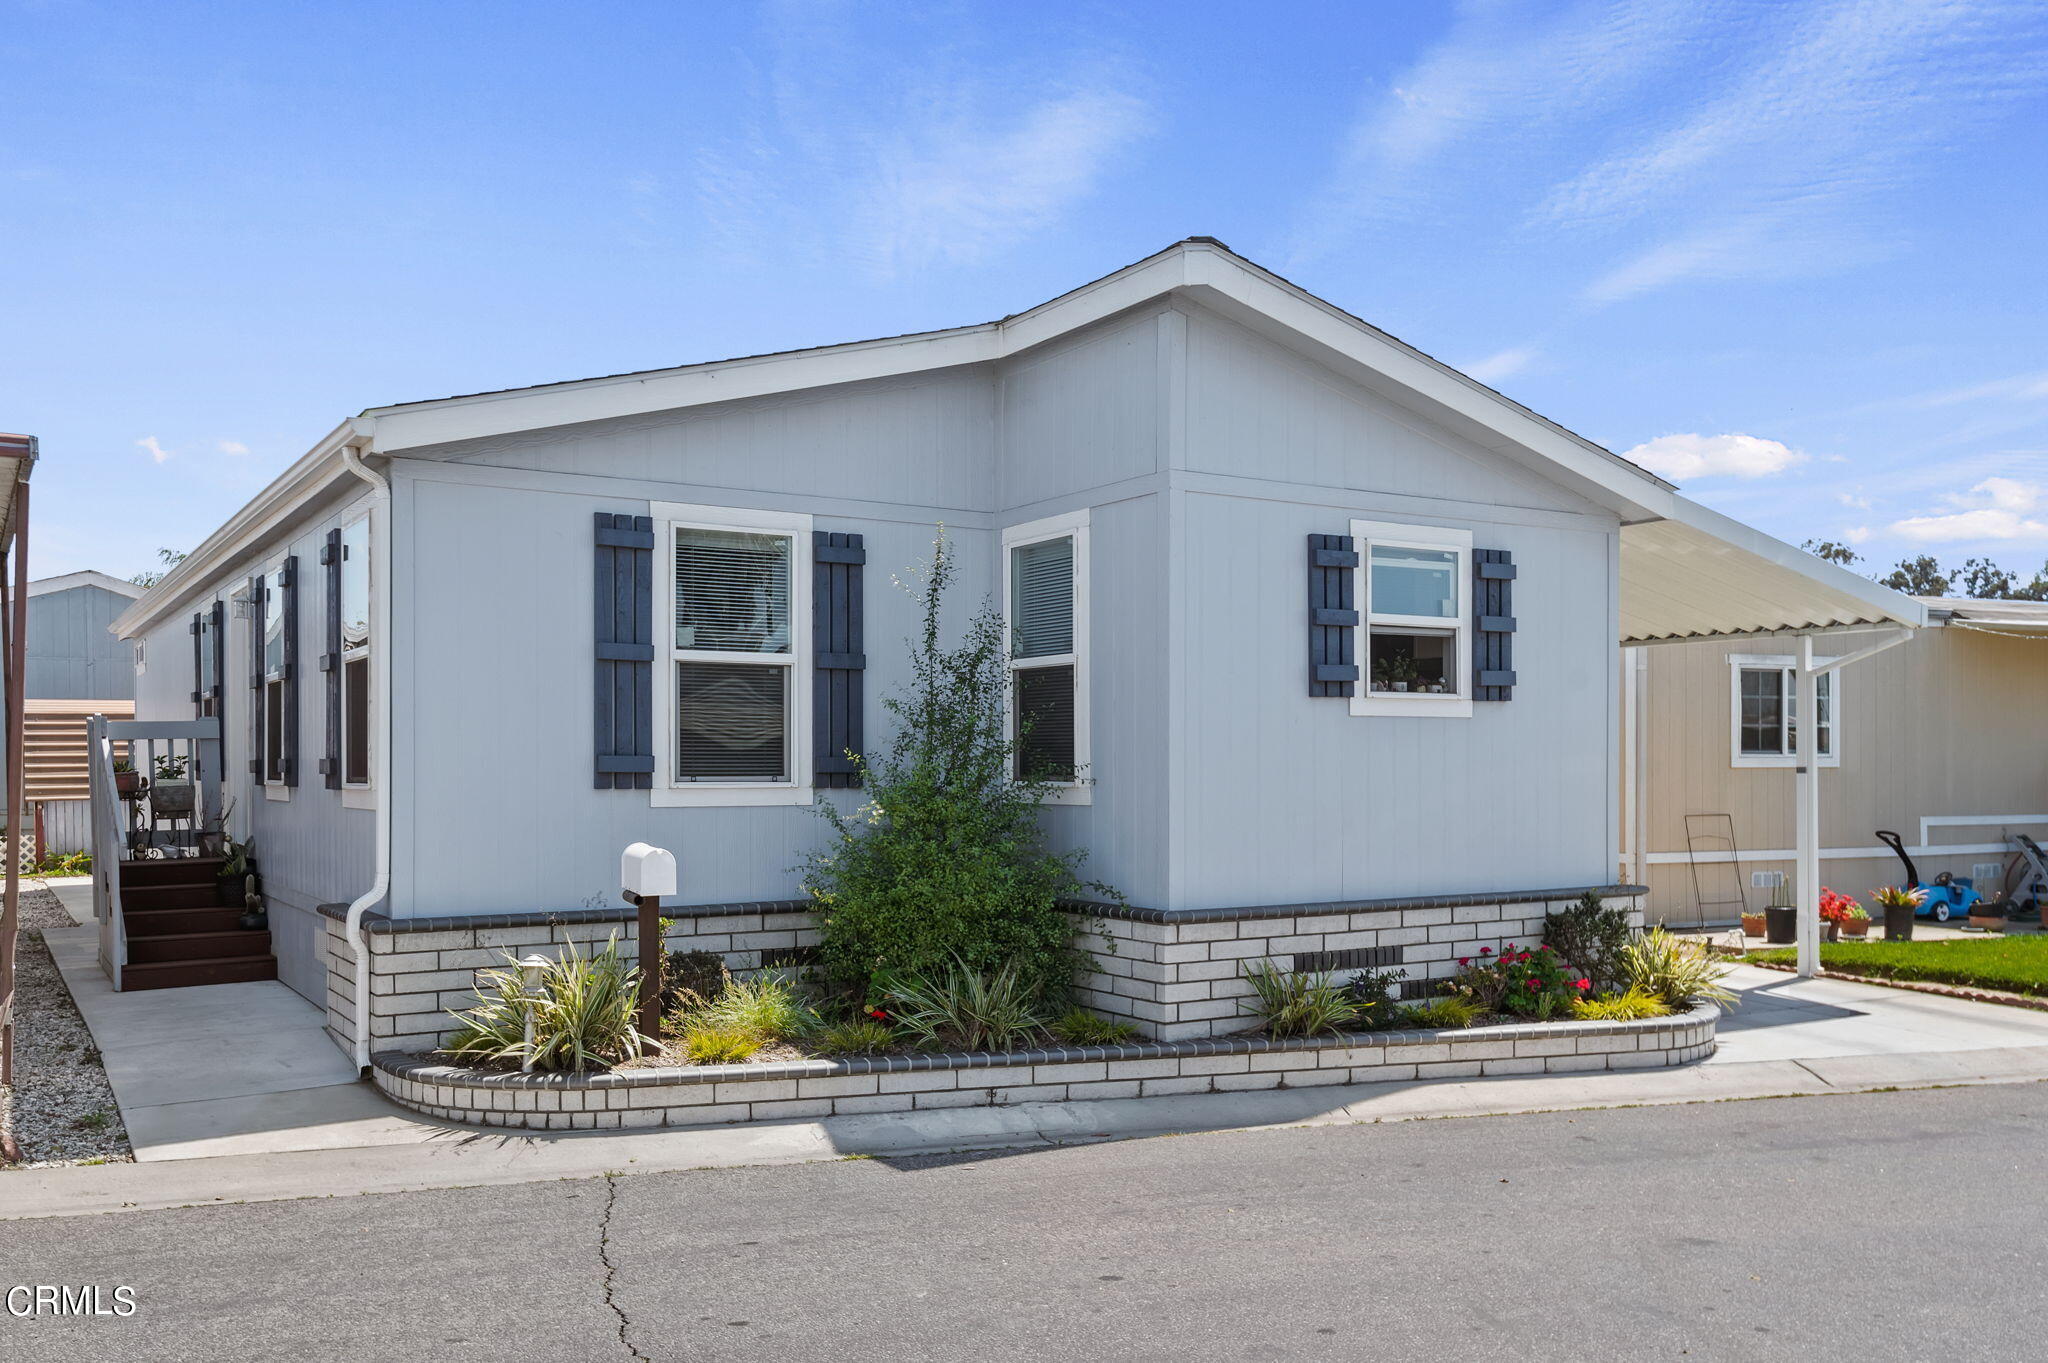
x=717 y=1094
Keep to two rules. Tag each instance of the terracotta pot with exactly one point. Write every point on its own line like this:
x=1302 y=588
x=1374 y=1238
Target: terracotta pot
x=127 y=783
x=1855 y=927
x=1752 y=925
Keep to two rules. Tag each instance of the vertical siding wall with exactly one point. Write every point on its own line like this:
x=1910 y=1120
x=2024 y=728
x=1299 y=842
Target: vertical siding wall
x=1950 y=723
x=310 y=848
x=72 y=655
x=1290 y=798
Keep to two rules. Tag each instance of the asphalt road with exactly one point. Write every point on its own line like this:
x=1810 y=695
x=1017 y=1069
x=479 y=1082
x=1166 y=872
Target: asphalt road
x=1870 y=1227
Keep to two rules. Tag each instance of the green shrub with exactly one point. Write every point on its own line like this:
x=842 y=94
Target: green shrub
x=1632 y=1005
x=966 y=1008
x=1288 y=1004
x=1591 y=938
x=863 y=1036
x=1373 y=991
x=1676 y=970
x=583 y=1014
x=63 y=864
x=709 y=1043
x=945 y=863
x=1079 y=1027
x=1447 y=1013
x=767 y=1007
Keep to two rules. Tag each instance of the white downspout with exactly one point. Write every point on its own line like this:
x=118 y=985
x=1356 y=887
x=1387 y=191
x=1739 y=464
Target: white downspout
x=380 y=732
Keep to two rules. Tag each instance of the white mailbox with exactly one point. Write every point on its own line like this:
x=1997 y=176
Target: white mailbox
x=648 y=871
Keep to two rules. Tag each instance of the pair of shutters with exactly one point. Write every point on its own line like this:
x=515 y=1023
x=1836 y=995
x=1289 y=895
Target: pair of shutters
x=624 y=654
x=1333 y=619
x=261 y=607
x=209 y=635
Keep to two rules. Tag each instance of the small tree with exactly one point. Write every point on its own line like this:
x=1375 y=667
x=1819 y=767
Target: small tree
x=1833 y=552
x=1920 y=576
x=170 y=558
x=945 y=861
x=1986 y=581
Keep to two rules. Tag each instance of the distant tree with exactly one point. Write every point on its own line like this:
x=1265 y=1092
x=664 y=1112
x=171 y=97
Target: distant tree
x=1920 y=576
x=1986 y=581
x=170 y=558
x=1833 y=552
x=2037 y=590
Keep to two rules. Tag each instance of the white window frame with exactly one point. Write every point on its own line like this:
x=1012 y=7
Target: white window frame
x=1068 y=525
x=1411 y=705
x=670 y=517
x=1788 y=665
x=277 y=789
x=360 y=794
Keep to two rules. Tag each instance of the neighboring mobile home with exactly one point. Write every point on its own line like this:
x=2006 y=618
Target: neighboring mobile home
x=1320 y=635
x=76 y=667
x=1943 y=740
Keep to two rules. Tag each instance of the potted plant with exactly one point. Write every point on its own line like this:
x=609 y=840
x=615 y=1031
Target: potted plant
x=1752 y=923
x=255 y=915
x=1988 y=915
x=1393 y=673
x=127 y=780
x=1834 y=911
x=170 y=794
x=237 y=875
x=1899 y=905
x=1856 y=923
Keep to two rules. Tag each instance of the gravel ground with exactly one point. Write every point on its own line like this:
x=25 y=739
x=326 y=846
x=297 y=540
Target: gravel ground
x=60 y=1107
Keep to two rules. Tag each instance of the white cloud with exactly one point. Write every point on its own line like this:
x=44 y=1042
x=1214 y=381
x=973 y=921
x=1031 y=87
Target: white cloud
x=1501 y=364
x=233 y=447
x=1856 y=534
x=1995 y=509
x=155 y=448
x=2018 y=388
x=1854 y=499
x=1710 y=456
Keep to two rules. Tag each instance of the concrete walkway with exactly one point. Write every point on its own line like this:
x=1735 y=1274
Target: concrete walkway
x=224 y=1069
x=279 y=1119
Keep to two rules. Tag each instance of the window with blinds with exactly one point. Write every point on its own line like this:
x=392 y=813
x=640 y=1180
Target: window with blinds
x=733 y=654
x=1044 y=663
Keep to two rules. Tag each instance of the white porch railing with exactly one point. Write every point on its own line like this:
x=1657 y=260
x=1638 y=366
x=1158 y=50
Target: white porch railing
x=171 y=807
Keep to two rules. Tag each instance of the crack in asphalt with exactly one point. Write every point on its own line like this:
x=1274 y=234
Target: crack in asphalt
x=611 y=1270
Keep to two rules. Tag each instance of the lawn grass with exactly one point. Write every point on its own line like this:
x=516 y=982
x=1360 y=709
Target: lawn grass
x=2018 y=965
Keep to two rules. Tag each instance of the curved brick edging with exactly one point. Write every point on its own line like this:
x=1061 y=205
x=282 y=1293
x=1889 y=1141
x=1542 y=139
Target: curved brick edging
x=712 y=1094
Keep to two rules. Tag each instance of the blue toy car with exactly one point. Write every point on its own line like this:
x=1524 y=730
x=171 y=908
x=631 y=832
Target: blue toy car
x=1948 y=897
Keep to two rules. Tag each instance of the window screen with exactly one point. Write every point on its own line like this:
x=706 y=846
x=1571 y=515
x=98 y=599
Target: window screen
x=731 y=722
x=1042 y=593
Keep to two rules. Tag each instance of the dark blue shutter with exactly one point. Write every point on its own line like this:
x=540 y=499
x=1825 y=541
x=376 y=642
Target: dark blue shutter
x=288 y=741
x=220 y=661
x=198 y=670
x=256 y=612
x=1332 y=615
x=838 y=640
x=623 y=685
x=1493 y=624
x=330 y=658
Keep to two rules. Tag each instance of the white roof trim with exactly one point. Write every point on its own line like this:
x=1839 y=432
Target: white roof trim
x=85 y=577
x=1686 y=571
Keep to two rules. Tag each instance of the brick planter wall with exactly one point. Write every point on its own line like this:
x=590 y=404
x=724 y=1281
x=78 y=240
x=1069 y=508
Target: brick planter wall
x=715 y=1094
x=1177 y=974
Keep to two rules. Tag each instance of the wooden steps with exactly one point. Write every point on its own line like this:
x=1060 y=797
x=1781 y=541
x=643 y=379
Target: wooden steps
x=178 y=933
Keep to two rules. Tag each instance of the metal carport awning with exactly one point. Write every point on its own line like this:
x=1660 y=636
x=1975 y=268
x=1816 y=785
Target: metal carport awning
x=1695 y=574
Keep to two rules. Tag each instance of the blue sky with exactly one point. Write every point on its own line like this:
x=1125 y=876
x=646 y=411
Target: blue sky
x=1789 y=253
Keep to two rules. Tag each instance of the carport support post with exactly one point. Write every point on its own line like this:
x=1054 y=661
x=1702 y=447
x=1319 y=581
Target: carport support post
x=1806 y=810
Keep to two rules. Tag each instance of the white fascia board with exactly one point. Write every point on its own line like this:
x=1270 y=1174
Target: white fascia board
x=269 y=508
x=438 y=423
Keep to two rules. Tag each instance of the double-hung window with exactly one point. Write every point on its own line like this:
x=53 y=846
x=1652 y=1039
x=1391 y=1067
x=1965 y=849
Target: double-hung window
x=1764 y=711
x=1045 y=609
x=1416 y=621
x=355 y=653
x=735 y=703
x=275 y=690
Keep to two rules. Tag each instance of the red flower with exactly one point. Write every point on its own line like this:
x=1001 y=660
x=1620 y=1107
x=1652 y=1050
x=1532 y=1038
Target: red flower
x=1486 y=951
x=877 y=1013
x=1464 y=960
x=1582 y=984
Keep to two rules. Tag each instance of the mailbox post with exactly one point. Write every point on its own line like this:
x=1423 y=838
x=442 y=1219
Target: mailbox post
x=647 y=873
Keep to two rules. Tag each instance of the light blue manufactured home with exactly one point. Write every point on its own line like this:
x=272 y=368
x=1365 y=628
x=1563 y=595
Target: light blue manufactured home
x=1314 y=627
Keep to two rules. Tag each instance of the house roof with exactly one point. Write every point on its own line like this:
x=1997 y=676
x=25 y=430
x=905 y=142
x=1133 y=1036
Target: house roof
x=1997 y=617
x=1695 y=573
x=85 y=577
